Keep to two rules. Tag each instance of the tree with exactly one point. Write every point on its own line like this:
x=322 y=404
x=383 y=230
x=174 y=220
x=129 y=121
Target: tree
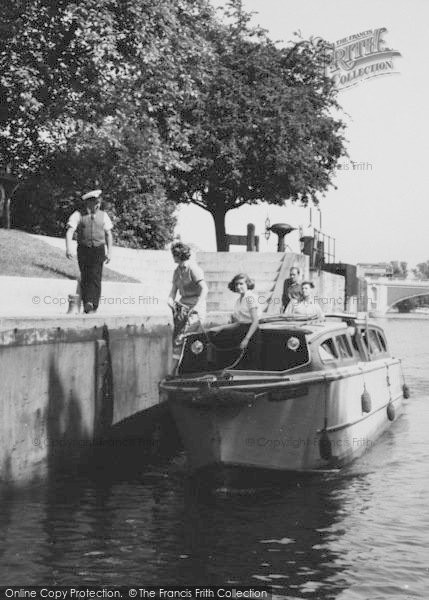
x=262 y=129
x=84 y=82
x=143 y=216
x=399 y=269
x=422 y=270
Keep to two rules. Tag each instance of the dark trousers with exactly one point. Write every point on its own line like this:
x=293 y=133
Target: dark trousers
x=91 y=262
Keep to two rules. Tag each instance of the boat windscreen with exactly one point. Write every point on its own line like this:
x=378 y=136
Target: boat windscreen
x=268 y=350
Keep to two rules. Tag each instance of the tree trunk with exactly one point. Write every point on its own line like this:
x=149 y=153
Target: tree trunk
x=6 y=213
x=2 y=203
x=219 y=221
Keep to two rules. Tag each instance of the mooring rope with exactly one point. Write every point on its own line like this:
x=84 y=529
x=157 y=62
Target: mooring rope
x=182 y=309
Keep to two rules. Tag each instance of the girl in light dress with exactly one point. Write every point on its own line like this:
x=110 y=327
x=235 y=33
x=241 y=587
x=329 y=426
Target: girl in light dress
x=246 y=309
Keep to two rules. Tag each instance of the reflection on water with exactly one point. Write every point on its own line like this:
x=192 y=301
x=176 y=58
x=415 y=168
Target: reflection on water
x=361 y=533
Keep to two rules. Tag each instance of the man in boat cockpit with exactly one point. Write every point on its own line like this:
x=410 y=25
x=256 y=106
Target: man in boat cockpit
x=291 y=286
x=306 y=307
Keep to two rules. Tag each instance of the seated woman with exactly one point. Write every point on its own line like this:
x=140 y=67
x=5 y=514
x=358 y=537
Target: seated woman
x=294 y=296
x=306 y=307
x=246 y=309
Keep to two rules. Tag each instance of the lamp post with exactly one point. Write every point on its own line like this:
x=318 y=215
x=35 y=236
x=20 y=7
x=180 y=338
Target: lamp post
x=281 y=230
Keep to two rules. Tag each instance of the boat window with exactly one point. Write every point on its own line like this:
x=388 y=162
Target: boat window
x=344 y=346
x=382 y=341
x=327 y=350
x=355 y=343
x=359 y=344
x=268 y=350
x=374 y=342
x=364 y=339
x=276 y=351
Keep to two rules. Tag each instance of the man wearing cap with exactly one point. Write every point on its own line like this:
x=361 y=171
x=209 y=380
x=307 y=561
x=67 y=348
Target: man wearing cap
x=94 y=235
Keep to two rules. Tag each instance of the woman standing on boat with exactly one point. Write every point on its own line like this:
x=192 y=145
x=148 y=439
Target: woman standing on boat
x=246 y=309
x=189 y=310
x=307 y=306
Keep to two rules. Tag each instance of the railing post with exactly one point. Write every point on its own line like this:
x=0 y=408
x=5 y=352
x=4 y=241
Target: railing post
x=251 y=245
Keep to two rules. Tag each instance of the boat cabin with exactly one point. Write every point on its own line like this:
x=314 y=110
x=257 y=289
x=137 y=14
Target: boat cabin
x=281 y=345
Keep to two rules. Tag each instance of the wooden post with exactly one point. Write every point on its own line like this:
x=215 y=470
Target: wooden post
x=251 y=241
x=2 y=204
x=251 y=237
x=103 y=396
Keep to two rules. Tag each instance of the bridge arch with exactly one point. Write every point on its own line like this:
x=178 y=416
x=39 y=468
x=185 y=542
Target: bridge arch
x=384 y=293
x=408 y=297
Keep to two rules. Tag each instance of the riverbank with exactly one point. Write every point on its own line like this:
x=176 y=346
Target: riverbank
x=25 y=255
x=409 y=316
x=69 y=382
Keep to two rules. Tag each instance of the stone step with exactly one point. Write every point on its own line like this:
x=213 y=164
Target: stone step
x=224 y=276
x=165 y=279
x=143 y=263
x=216 y=285
x=240 y=268
x=154 y=269
x=231 y=298
x=140 y=267
x=219 y=306
x=144 y=275
x=239 y=256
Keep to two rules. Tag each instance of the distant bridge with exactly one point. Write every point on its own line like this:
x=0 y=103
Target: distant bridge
x=384 y=293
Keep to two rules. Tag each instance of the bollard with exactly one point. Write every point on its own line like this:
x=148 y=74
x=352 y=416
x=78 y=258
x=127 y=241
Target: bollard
x=74 y=304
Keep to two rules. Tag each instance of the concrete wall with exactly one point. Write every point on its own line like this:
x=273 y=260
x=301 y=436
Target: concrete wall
x=60 y=389
x=47 y=404
x=329 y=290
x=66 y=382
x=38 y=297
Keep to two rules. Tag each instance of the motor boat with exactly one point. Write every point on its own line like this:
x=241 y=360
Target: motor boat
x=304 y=396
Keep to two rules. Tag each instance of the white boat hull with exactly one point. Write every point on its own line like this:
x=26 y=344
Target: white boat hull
x=315 y=422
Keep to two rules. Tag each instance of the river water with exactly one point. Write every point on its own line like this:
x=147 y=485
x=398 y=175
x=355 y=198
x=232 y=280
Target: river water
x=360 y=534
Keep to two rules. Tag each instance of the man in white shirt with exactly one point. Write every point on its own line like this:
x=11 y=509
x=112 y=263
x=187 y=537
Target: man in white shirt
x=94 y=246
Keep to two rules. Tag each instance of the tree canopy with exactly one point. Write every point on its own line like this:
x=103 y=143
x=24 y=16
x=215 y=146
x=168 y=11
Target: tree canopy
x=399 y=269
x=262 y=128
x=158 y=102
x=421 y=270
x=103 y=80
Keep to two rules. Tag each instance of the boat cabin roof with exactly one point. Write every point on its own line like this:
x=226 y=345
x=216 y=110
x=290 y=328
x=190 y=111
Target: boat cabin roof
x=334 y=322
x=282 y=344
x=310 y=329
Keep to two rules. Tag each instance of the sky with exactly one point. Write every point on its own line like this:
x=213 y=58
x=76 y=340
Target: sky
x=379 y=212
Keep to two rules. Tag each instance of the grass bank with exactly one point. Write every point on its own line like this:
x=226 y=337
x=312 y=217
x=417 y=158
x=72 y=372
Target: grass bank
x=21 y=255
